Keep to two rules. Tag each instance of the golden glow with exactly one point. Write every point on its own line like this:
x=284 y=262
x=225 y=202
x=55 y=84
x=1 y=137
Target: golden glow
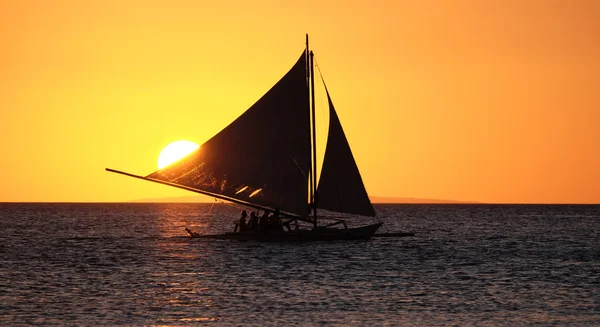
x=175 y=151
x=488 y=101
x=255 y=192
x=241 y=190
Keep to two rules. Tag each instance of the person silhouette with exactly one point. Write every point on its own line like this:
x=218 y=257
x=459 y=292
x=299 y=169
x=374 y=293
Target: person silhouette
x=264 y=219
x=242 y=222
x=275 y=221
x=253 y=222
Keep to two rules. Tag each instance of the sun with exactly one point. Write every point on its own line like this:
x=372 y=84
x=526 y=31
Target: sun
x=175 y=151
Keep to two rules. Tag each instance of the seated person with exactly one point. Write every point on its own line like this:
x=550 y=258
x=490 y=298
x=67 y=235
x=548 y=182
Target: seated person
x=253 y=222
x=242 y=223
x=275 y=221
x=264 y=219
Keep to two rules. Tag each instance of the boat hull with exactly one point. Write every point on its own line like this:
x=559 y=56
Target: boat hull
x=319 y=234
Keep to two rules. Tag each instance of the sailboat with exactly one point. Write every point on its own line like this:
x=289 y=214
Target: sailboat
x=266 y=160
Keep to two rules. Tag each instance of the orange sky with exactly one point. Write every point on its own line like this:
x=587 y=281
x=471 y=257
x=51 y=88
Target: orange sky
x=491 y=101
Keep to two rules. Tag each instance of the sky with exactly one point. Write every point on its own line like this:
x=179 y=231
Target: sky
x=488 y=101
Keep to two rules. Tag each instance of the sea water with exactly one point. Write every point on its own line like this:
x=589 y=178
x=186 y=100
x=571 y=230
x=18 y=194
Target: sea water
x=132 y=265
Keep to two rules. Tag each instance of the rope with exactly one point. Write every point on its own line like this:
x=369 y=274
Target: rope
x=321 y=98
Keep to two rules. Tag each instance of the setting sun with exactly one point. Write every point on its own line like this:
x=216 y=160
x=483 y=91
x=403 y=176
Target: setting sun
x=484 y=101
x=175 y=151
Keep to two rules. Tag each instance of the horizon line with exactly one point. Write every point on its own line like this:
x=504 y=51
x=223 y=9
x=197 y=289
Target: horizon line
x=400 y=203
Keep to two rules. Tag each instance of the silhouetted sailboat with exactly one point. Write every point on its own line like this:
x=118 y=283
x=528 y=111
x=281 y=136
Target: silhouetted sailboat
x=266 y=159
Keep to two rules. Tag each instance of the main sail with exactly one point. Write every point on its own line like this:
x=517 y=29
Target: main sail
x=341 y=188
x=263 y=157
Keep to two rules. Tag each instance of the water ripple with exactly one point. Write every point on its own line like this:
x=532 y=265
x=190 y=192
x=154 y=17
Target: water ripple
x=129 y=264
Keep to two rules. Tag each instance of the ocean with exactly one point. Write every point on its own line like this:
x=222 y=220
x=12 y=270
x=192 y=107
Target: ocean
x=132 y=265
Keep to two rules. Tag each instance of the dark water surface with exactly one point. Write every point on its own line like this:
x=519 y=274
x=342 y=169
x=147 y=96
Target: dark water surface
x=130 y=265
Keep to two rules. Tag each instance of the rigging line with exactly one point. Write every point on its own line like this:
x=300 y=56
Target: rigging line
x=322 y=99
x=219 y=208
x=324 y=111
x=211 y=207
x=297 y=165
x=230 y=205
x=320 y=74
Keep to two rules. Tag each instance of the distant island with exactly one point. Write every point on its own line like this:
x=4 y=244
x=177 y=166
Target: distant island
x=386 y=199
x=374 y=199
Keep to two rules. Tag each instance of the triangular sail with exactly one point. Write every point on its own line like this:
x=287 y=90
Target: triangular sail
x=263 y=157
x=341 y=188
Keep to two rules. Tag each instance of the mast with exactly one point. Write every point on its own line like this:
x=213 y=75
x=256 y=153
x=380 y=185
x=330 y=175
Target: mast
x=311 y=186
x=314 y=138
